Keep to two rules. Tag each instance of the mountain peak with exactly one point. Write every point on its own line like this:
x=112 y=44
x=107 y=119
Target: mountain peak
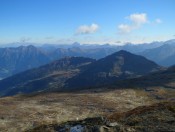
x=122 y=52
x=76 y=44
x=31 y=46
x=118 y=66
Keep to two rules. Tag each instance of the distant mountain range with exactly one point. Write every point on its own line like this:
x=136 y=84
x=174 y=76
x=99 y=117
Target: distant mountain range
x=17 y=59
x=73 y=73
x=163 y=55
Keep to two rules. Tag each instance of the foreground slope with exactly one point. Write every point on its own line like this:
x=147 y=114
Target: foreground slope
x=118 y=66
x=154 y=118
x=21 y=113
x=48 y=76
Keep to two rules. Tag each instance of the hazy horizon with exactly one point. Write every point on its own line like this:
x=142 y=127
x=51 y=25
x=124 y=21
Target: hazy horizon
x=16 y=44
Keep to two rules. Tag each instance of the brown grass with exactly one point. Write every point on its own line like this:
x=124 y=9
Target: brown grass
x=25 y=112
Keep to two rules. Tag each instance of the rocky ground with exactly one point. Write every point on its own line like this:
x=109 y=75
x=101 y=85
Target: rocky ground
x=158 y=117
x=24 y=113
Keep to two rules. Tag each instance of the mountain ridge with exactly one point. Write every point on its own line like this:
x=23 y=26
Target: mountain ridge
x=17 y=59
x=39 y=77
x=118 y=66
x=73 y=73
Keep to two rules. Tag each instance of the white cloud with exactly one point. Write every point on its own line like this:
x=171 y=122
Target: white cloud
x=158 y=21
x=124 y=28
x=137 y=20
x=87 y=29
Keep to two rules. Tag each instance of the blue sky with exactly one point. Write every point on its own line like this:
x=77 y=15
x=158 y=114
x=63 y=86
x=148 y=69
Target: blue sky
x=86 y=21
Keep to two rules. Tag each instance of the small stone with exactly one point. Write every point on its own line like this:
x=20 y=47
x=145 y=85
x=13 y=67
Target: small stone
x=103 y=129
x=130 y=129
x=77 y=128
x=113 y=124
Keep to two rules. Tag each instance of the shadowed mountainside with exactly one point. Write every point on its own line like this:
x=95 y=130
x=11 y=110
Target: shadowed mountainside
x=45 y=77
x=71 y=74
x=118 y=66
x=165 y=78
